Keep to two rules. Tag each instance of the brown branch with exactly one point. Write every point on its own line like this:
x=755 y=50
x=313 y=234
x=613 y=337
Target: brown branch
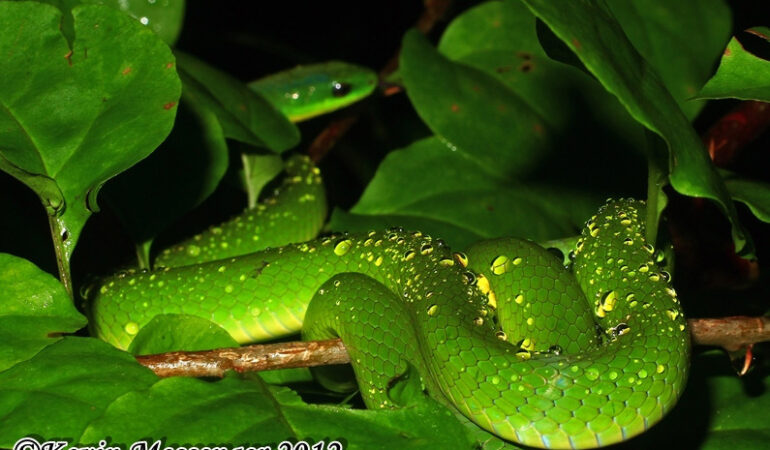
x=329 y=136
x=252 y=358
x=731 y=333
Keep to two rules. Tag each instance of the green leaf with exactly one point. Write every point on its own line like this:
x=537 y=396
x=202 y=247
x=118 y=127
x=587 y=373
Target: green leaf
x=244 y=115
x=164 y=17
x=179 y=332
x=738 y=417
x=741 y=74
x=177 y=177
x=662 y=32
x=250 y=412
x=471 y=109
x=502 y=26
x=76 y=379
x=755 y=194
x=258 y=170
x=505 y=46
x=76 y=120
x=592 y=32
x=445 y=191
x=576 y=108
x=34 y=310
x=463 y=193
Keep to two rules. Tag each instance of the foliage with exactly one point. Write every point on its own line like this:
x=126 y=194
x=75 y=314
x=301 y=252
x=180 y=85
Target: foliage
x=519 y=121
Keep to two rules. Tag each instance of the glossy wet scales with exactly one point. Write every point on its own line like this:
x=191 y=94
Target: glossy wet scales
x=435 y=314
x=624 y=381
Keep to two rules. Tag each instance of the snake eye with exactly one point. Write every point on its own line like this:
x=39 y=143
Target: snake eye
x=341 y=89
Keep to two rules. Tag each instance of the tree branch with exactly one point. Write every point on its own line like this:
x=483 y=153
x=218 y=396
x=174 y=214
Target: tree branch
x=731 y=333
x=252 y=358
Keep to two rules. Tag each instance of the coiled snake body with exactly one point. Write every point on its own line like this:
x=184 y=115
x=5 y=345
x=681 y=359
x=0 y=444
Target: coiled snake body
x=503 y=333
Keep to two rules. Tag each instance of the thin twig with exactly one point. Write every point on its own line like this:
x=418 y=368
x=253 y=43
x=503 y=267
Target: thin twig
x=731 y=333
x=252 y=358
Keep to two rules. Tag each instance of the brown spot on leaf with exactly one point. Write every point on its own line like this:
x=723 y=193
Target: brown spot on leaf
x=68 y=57
x=455 y=107
x=169 y=65
x=242 y=107
x=727 y=52
x=538 y=129
x=475 y=88
x=576 y=44
x=169 y=105
x=526 y=66
x=126 y=71
x=503 y=69
x=501 y=108
x=524 y=55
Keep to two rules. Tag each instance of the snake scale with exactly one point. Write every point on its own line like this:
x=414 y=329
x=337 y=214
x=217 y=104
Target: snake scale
x=529 y=350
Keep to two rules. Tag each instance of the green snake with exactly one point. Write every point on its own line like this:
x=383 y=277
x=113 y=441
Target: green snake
x=503 y=333
x=311 y=90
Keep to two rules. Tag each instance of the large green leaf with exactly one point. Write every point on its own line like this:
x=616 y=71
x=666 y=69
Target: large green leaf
x=84 y=114
x=34 y=310
x=505 y=26
x=250 y=412
x=164 y=17
x=662 y=32
x=444 y=190
x=499 y=38
x=244 y=115
x=587 y=123
x=741 y=74
x=92 y=391
x=471 y=110
x=591 y=31
x=76 y=379
x=471 y=181
x=179 y=332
